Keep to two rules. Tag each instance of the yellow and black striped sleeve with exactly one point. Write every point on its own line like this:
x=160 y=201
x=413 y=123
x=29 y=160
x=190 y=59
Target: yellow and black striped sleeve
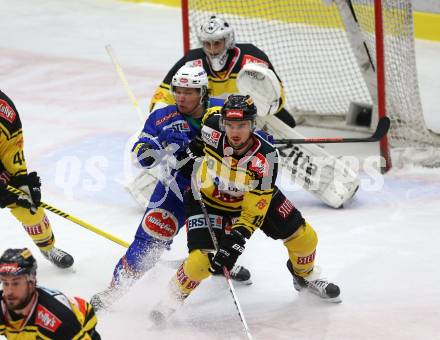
x=11 y=138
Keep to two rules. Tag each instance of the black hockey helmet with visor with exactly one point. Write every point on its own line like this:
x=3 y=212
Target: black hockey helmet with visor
x=15 y=262
x=238 y=108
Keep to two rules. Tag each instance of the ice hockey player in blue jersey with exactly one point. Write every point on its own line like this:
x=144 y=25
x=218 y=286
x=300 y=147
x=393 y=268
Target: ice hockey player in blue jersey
x=168 y=130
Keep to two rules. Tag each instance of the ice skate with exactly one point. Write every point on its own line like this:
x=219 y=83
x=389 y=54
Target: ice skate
x=103 y=300
x=325 y=290
x=58 y=257
x=240 y=275
x=162 y=311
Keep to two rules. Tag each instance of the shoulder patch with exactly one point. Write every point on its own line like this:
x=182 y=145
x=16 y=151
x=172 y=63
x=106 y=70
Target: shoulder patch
x=46 y=319
x=6 y=111
x=259 y=165
x=247 y=59
x=167 y=117
x=197 y=62
x=211 y=136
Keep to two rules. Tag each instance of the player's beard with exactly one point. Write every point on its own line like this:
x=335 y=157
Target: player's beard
x=24 y=301
x=245 y=145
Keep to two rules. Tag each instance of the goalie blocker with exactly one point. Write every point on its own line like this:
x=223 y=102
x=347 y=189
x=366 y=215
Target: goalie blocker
x=310 y=166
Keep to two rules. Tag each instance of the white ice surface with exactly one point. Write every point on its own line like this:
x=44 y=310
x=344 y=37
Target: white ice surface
x=382 y=249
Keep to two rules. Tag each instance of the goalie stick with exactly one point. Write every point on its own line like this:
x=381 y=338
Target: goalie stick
x=381 y=130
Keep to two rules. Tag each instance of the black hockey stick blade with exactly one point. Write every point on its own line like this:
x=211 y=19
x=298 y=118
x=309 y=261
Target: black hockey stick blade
x=381 y=130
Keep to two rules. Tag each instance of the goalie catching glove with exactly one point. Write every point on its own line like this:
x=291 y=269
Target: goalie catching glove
x=262 y=84
x=31 y=198
x=230 y=248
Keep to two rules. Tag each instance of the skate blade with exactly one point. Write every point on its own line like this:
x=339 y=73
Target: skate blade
x=307 y=294
x=332 y=300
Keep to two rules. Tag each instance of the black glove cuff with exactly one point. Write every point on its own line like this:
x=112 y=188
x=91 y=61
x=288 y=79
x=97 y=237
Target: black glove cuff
x=18 y=181
x=241 y=232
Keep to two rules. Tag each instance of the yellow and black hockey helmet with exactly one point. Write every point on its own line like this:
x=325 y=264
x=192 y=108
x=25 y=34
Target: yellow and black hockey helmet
x=18 y=262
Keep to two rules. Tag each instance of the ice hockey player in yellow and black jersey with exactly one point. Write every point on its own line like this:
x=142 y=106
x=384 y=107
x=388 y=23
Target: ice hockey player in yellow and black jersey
x=31 y=312
x=236 y=180
x=13 y=172
x=222 y=58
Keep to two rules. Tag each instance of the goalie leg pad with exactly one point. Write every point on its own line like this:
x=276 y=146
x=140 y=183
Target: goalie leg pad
x=301 y=247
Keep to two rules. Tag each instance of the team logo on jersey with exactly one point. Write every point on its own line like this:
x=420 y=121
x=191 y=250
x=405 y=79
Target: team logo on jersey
x=167 y=117
x=199 y=221
x=285 y=208
x=259 y=165
x=6 y=111
x=178 y=125
x=197 y=62
x=248 y=59
x=159 y=96
x=225 y=197
x=46 y=319
x=261 y=204
x=20 y=143
x=211 y=136
x=160 y=223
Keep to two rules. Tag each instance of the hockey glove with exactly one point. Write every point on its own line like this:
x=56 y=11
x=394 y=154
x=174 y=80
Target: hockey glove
x=31 y=185
x=145 y=154
x=230 y=248
x=189 y=160
x=170 y=136
x=6 y=197
x=195 y=148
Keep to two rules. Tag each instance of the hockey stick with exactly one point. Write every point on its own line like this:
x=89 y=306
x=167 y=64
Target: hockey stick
x=73 y=219
x=174 y=264
x=225 y=270
x=124 y=81
x=381 y=130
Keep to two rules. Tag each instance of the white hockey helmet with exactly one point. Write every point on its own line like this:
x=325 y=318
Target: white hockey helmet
x=191 y=76
x=213 y=30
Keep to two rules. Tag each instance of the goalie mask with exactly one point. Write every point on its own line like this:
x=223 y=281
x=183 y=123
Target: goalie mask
x=16 y=262
x=239 y=108
x=191 y=77
x=214 y=30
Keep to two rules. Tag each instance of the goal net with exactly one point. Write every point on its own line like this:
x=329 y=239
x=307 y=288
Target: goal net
x=325 y=53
